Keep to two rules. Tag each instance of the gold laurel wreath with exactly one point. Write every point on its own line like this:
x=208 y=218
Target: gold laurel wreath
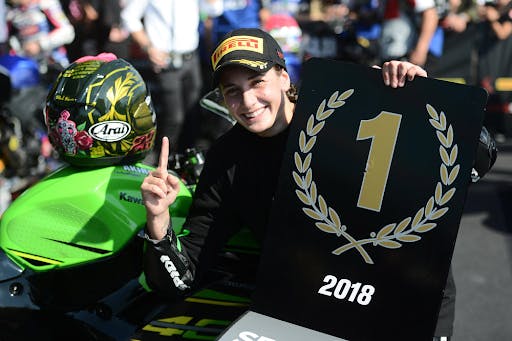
x=392 y=235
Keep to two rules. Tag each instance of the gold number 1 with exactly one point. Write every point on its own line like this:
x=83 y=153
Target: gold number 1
x=383 y=130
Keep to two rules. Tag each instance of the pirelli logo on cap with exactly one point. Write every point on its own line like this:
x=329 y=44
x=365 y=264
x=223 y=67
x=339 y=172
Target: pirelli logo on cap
x=246 y=43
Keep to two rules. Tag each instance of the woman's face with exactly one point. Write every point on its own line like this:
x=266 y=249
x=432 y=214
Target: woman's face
x=257 y=101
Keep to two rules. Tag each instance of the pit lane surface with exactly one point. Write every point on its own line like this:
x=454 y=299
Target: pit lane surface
x=482 y=260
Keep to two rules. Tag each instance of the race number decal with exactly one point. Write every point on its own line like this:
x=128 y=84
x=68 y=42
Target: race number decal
x=383 y=129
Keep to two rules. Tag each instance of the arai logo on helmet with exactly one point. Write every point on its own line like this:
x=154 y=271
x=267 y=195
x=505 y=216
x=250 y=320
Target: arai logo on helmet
x=110 y=131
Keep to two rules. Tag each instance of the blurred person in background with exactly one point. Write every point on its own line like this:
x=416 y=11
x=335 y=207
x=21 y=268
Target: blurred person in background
x=98 y=27
x=283 y=25
x=167 y=32
x=408 y=28
x=4 y=35
x=39 y=29
x=498 y=16
x=494 y=56
x=222 y=16
x=38 y=32
x=460 y=14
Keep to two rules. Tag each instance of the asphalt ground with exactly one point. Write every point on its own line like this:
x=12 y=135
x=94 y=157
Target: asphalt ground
x=482 y=259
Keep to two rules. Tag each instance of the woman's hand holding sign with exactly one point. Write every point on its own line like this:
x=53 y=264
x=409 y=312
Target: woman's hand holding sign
x=395 y=73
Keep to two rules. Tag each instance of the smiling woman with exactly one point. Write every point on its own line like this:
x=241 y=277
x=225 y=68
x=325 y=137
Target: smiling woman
x=249 y=65
x=256 y=100
x=241 y=172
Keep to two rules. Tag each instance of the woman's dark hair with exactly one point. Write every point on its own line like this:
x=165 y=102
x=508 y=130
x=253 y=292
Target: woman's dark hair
x=292 y=93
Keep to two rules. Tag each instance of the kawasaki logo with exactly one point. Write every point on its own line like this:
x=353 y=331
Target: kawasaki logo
x=126 y=197
x=110 y=131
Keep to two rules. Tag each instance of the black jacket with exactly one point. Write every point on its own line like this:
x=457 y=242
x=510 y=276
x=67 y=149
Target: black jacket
x=235 y=190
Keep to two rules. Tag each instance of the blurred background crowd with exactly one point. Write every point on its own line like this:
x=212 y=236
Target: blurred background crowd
x=170 y=42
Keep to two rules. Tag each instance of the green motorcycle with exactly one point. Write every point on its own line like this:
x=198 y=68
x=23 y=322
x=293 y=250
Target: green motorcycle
x=71 y=250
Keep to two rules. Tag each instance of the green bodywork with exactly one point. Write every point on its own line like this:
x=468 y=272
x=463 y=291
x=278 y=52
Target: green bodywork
x=78 y=215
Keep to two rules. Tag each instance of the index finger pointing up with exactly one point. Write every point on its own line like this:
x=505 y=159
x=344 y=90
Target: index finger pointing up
x=164 y=155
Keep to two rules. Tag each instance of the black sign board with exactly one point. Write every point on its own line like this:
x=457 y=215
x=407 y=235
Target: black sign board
x=367 y=210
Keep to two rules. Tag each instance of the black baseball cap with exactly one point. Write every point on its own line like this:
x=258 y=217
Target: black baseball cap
x=252 y=48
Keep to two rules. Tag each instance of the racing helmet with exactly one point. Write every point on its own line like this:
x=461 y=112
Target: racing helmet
x=99 y=113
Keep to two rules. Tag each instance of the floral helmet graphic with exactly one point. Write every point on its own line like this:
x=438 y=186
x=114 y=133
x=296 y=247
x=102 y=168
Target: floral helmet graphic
x=99 y=113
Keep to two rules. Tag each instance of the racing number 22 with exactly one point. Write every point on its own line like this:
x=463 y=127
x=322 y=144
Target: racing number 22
x=383 y=130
